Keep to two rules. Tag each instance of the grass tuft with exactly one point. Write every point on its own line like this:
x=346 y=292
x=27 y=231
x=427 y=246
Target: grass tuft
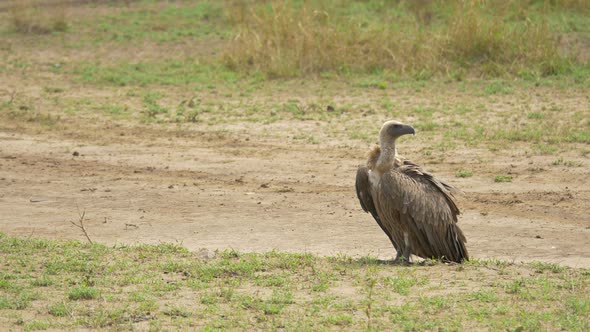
x=83 y=293
x=503 y=178
x=464 y=174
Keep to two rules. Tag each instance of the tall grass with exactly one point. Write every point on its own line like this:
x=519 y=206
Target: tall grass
x=292 y=38
x=494 y=47
x=286 y=38
x=583 y=5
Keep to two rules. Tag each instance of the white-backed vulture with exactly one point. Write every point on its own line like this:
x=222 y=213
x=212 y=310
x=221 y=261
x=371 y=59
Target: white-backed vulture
x=416 y=210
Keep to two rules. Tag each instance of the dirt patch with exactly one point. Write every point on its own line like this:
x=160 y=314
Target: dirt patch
x=258 y=195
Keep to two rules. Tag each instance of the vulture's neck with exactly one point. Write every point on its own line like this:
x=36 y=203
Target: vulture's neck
x=387 y=155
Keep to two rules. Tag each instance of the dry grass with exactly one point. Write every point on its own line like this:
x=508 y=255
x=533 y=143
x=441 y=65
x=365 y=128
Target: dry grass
x=286 y=38
x=38 y=17
x=495 y=46
x=571 y=4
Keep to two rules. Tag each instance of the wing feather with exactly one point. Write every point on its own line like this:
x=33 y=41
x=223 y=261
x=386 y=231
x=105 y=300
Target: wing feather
x=363 y=192
x=427 y=210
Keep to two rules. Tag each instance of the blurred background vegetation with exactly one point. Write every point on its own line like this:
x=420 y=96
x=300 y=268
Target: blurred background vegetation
x=419 y=39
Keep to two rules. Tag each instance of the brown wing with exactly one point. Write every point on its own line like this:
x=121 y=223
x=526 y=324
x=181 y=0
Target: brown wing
x=425 y=207
x=363 y=192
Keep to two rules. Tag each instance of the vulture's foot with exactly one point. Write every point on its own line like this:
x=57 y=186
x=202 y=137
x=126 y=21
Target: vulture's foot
x=428 y=262
x=401 y=261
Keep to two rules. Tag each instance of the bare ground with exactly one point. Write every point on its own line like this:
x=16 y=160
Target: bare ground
x=206 y=190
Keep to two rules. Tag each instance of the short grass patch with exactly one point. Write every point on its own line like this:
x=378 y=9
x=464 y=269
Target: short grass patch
x=83 y=293
x=503 y=178
x=174 y=289
x=464 y=174
x=187 y=72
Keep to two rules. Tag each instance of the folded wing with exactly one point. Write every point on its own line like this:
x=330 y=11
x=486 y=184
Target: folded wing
x=417 y=202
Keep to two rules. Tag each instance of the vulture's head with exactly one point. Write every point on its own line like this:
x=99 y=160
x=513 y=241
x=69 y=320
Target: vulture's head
x=391 y=130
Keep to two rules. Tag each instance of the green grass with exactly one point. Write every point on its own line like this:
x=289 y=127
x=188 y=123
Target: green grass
x=503 y=178
x=83 y=293
x=37 y=325
x=163 y=24
x=464 y=174
x=497 y=87
x=93 y=286
x=187 y=72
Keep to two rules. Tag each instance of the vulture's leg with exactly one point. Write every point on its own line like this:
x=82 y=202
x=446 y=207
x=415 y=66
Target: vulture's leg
x=403 y=255
x=400 y=259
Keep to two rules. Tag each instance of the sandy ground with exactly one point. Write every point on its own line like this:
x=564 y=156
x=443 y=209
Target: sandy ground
x=259 y=195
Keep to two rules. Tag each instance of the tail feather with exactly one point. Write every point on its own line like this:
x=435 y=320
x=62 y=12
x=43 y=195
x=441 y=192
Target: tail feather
x=456 y=237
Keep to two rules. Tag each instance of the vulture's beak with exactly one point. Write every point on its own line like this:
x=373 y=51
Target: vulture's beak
x=408 y=130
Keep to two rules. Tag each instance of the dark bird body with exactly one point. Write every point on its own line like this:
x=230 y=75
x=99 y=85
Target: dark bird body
x=416 y=210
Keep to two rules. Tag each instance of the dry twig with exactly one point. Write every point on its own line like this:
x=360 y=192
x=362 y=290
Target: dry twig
x=81 y=224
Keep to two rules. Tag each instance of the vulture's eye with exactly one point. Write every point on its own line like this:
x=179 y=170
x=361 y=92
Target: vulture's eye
x=397 y=126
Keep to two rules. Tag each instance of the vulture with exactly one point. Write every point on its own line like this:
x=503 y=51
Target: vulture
x=416 y=210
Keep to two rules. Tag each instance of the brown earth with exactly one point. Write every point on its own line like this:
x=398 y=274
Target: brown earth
x=203 y=189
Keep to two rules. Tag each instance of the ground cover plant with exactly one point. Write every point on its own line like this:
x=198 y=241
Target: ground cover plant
x=64 y=285
x=167 y=122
